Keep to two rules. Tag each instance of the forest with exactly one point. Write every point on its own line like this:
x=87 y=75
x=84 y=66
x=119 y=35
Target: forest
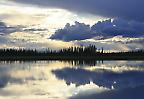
x=72 y=53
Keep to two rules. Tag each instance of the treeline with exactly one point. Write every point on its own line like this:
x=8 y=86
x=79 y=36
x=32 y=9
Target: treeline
x=73 y=53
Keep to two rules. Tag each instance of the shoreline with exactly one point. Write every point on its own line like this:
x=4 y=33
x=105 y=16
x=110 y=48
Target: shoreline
x=69 y=58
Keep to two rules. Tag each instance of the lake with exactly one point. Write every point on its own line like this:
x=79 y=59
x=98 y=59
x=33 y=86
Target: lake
x=72 y=80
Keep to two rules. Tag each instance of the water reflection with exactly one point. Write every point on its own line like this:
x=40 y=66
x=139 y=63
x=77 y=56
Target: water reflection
x=104 y=78
x=85 y=62
x=68 y=79
x=128 y=93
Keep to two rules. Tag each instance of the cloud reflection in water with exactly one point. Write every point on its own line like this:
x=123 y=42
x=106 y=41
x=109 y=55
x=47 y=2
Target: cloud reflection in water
x=47 y=80
x=102 y=78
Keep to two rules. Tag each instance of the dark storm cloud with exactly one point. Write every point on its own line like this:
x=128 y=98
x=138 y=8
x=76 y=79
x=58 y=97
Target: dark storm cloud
x=129 y=9
x=107 y=28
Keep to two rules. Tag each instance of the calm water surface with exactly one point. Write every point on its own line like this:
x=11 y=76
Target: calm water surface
x=72 y=80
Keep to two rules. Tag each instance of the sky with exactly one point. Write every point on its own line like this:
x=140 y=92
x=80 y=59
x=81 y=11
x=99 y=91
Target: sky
x=115 y=25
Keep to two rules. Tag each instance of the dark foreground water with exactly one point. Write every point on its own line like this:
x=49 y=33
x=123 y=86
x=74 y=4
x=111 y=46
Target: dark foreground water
x=72 y=80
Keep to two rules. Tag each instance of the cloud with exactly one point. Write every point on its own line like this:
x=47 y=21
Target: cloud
x=28 y=37
x=129 y=9
x=116 y=43
x=79 y=31
x=106 y=28
x=34 y=30
x=119 y=27
x=5 y=29
x=3 y=39
x=31 y=41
